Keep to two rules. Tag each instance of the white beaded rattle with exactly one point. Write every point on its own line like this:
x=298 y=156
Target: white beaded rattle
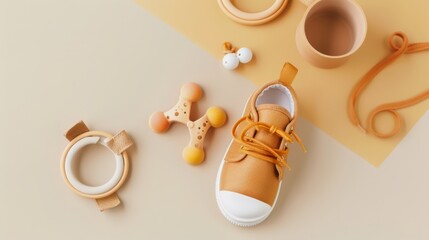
x=234 y=57
x=159 y=122
x=80 y=136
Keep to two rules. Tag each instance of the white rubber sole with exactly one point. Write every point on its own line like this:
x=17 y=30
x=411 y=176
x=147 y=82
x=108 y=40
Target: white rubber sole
x=233 y=219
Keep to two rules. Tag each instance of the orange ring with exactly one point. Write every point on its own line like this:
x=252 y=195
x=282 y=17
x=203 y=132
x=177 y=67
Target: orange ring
x=257 y=18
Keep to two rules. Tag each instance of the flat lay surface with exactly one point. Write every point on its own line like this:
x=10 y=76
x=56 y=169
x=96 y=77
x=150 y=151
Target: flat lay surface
x=207 y=26
x=113 y=63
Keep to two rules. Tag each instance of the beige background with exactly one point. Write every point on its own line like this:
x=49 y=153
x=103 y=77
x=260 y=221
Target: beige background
x=111 y=64
x=207 y=26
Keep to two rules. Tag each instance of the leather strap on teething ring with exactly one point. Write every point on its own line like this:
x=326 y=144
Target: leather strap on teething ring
x=108 y=202
x=76 y=130
x=391 y=108
x=118 y=144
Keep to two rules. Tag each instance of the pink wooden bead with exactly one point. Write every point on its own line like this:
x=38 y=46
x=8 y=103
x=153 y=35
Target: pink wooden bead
x=158 y=122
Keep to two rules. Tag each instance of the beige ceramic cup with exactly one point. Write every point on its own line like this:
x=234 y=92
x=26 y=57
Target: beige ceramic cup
x=330 y=31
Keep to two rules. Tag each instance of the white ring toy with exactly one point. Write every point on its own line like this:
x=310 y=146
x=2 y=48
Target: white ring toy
x=252 y=18
x=80 y=136
x=79 y=186
x=97 y=192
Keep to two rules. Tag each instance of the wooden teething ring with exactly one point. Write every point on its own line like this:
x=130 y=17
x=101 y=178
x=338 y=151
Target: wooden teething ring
x=66 y=176
x=80 y=136
x=252 y=18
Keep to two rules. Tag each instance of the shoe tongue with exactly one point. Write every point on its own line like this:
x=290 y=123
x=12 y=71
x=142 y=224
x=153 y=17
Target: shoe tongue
x=273 y=115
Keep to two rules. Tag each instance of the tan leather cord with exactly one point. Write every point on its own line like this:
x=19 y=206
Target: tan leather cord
x=228 y=48
x=402 y=47
x=260 y=150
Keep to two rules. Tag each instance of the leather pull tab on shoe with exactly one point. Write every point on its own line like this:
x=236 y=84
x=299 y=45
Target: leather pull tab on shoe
x=288 y=74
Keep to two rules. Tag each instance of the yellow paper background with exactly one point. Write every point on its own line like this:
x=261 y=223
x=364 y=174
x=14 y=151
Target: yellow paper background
x=322 y=93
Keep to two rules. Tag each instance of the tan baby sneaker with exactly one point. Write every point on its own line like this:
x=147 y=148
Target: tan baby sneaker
x=250 y=175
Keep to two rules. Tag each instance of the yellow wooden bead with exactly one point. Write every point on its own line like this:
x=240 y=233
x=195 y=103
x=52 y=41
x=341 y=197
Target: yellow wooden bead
x=216 y=116
x=193 y=155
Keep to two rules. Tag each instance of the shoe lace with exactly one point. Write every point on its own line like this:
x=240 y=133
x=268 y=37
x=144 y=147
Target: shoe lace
x=404 y=47
x=260 y=150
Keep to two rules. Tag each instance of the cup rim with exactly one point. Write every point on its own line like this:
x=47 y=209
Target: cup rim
x=355 y=46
